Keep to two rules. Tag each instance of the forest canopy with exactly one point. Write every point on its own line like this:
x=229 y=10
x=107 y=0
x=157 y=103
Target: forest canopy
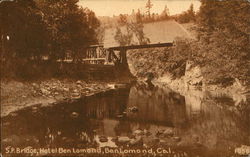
x=224 y=39
x=31 y=29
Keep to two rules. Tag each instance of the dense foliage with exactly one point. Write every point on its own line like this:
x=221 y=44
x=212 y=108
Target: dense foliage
x=23 y=30
x=70 y=28
x=160 y=61
x=186 y=16
x=222 y=47
x=224 y=39
x=38 y=30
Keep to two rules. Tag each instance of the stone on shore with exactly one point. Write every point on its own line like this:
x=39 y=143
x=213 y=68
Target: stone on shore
x=136 y=142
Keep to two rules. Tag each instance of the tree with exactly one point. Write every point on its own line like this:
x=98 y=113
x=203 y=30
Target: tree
x=187 y=16
x=138 y=16
x=71 y=28
x=224 y=38
x=34 y=29
x=23 y=30
x=191 y=13
x=165 y=13
x=124 y=36
x=123 y=39
x=149 y=5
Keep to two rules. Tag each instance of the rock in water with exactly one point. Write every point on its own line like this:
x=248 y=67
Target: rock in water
x=133 y=109
x=103 y=139
x=193 y=75
x=120 y=116
x=177 y=139
x=34 y=109
x=74 y=115
x=123 y=139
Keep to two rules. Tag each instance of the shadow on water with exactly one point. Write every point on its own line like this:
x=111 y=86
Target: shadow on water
x=198 y=126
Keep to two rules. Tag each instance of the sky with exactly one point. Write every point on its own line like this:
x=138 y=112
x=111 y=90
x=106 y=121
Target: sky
x=116 y=7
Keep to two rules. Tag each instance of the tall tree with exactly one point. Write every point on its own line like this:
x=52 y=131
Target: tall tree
x=149 y=5
x=124 y=35
x=187 y=16
x=165 y=13
x=71 y=28
x=23 y=30
x=191 y=12
x=138 y=16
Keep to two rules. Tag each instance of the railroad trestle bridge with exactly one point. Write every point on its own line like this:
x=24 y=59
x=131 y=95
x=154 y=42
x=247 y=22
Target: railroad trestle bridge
x=98 y=54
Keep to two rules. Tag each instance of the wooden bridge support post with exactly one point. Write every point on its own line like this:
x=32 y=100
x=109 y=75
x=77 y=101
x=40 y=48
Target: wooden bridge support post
x=120 y=60
x=122 y=68
x=123 y=55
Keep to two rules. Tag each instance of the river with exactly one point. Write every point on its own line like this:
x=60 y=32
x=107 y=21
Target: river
x=192 y=124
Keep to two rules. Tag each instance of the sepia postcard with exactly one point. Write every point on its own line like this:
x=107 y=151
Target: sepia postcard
x=125 y=78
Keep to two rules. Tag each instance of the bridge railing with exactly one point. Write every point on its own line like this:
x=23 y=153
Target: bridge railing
x=95 y=54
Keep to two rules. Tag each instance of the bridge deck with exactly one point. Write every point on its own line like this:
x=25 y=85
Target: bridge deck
x=97 y=54
x=142 y=46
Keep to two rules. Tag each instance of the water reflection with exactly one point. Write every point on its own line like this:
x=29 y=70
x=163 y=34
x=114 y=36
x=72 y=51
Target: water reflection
x=189 y=122
x=157 y=105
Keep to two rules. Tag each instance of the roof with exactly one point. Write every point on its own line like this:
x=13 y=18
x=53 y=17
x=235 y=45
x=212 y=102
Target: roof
x=157 y=32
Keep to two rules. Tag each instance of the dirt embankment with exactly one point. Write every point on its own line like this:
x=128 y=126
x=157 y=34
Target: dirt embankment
x=16 y=95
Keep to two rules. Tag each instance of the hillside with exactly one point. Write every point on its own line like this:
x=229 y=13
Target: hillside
x=157 y=32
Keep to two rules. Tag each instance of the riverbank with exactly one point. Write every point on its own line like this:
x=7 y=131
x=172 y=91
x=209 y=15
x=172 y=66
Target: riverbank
x=173 y=68
x=239 y=93
x=16 y=95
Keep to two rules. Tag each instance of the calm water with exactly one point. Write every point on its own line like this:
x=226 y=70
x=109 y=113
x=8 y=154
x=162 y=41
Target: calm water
x=201 y=124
